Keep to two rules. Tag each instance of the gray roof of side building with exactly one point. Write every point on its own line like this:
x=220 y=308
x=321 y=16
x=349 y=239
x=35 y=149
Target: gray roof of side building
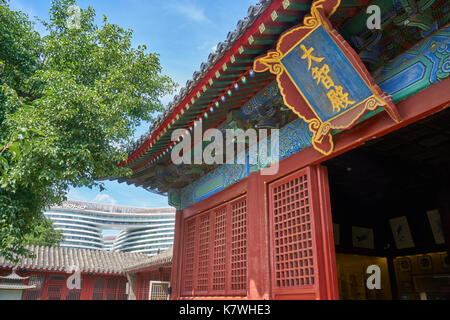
x=164 y=258
x=88 y=261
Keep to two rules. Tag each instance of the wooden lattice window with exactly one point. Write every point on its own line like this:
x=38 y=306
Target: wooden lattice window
x=99 y=286
x=111 y=289
x=73 y=294
x=189 y=255
x=55 y=287
x=159 y=290
x=239 y=246
x=294 y=259
x=38 y=281
x=122 y=290
x=143 y=288
x=301 y=236
x=215 y=251
x=54 y=292
x=203 y=253
x=220 y=250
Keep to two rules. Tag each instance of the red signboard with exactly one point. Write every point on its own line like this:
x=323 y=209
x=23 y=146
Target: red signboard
x=321 y=78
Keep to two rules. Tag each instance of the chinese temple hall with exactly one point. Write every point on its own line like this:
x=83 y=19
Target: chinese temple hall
x=46 y=274
x=51 y=274
x=350 y=198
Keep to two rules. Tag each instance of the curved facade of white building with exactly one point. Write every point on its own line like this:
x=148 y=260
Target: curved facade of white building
x=143 y=230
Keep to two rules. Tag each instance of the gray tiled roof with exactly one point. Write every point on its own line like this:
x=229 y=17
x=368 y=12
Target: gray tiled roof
x=163 y=258
x=88 y=261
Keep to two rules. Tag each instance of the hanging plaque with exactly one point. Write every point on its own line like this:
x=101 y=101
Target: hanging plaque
x=321 y=78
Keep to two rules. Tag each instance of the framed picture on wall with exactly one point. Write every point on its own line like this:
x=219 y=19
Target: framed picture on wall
x=363 y=238
x=402 y=234
x=425 y=262
x=336 y=234
x=404 y=264
x=436 y=226
x=445 y=262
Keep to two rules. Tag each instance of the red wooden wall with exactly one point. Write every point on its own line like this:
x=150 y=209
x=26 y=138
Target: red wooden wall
x=214 y=254
x=53 y=286
x=258 y=240
x=270 y=257
x=302 y=255
x=144 y=278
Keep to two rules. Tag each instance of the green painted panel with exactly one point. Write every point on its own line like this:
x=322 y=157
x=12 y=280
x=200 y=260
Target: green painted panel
x=211 y=185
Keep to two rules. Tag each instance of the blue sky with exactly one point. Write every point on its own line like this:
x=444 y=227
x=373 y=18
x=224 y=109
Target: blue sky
x=183 y=32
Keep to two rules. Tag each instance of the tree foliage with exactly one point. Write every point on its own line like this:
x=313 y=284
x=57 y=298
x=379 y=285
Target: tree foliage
x=68 y=102
x=44 y=235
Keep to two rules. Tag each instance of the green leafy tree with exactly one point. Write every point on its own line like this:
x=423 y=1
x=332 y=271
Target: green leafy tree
x=68 y=102
x=44 y=235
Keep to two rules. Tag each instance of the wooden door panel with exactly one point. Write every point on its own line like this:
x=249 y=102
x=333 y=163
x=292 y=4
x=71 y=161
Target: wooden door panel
x=300 y=254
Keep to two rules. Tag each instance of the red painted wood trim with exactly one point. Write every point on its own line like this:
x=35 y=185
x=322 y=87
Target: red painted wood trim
x=64 y=289
x=419 y=106
x=213 y=125
x=175 y=280
x=328 y=266
x=45 y=287
x=258 y=255
x=212 y=235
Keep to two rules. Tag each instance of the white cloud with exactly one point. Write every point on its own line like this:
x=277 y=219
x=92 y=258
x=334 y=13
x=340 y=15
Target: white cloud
x=105 y=198
x=207 y=46
x=190 y=11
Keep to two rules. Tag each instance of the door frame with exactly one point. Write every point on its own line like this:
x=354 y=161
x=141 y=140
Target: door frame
x=158 y=282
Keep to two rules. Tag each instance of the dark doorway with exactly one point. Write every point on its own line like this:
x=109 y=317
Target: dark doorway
x=388 y=198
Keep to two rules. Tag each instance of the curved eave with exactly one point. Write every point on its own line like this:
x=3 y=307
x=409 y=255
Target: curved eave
x=235 y=63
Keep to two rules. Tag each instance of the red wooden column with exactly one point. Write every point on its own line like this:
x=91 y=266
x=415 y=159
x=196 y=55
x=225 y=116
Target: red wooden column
x=139 y=285
x=258 y=253
x=87 y=286
x=175 y=277
x=327 y=267
x=64 y=289
x=45 y=286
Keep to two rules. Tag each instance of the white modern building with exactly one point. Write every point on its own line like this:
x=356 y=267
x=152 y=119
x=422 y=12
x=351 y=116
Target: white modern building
x=108 y=242
x=142 y=230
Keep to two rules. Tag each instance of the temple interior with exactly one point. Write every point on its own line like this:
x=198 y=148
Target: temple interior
x=403 y=174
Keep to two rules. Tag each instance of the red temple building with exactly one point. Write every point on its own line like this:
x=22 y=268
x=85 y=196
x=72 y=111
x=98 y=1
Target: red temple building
x=357 y=176
x=150 y=279
x=347 y=195
x=45 y=276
